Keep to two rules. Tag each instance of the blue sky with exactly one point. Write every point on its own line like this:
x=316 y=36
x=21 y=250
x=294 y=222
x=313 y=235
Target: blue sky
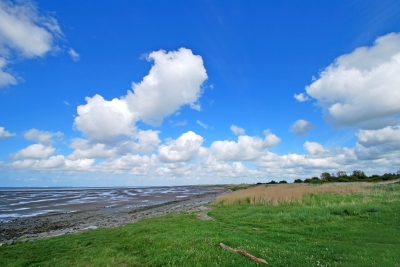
x=115 y=93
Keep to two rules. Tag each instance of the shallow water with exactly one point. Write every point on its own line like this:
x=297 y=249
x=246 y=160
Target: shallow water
x=23 y=202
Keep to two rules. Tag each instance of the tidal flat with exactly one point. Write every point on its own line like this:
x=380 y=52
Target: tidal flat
x=43 y=212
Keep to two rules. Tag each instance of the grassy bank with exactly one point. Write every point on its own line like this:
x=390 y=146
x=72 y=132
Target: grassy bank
x=326 y=229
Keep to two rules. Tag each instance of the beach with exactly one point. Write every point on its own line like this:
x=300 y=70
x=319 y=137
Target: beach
x=120 y=207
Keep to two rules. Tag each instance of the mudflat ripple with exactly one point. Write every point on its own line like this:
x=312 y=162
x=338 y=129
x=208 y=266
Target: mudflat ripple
x=29 y=214
x=26 y=202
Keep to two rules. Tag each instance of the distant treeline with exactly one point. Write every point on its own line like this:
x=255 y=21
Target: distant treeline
x=343 y=177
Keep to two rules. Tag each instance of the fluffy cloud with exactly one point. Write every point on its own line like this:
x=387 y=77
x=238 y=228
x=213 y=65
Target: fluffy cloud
x=104 y=121
x=35 y=151
x=319 y=159
x=96 y=151
x=77 y=165
x=387 y=135
x=174 y=80
x=246 y=148
x=56 y=163
x=22 y=28
x=175 y=169
x=148 y=141
x=212 y=172
x=314 y=148
x=236 y=169
x=295 y=160
x=135 y=164
x=237 y=130
x=362 y=87
x=80 y=143
x=301 y=127
x=24 y=32
x=5 y=134
x=375 y=144
x=183 y=149
x=43 y=137
x=211 y=166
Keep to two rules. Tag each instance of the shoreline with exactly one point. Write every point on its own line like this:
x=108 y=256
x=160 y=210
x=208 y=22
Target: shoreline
x=55 y=224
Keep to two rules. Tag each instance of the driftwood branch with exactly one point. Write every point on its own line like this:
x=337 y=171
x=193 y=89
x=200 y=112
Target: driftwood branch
x=244 y=253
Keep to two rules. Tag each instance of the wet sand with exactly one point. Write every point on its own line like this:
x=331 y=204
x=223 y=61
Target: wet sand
x=55 y=224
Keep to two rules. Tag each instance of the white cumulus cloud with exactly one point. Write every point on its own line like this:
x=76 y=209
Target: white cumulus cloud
x=369 y=138
x=59 y=163
x=174 y=80
x=375 y=144
x=314 y=148
x=144 y=142
x=135 y=164
x=362 y=87
x=319 y=160
x=22 y=28
x=246 y=148
x=183 y=149
x=25 y=33
x=5 y=134
x=43 y=137
x=301 y=127
x=148 y=141
x=35 y=151
x=96 y=151
x=104 y=121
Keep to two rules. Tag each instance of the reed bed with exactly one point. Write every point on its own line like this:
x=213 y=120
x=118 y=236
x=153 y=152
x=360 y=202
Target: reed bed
x=274 y=194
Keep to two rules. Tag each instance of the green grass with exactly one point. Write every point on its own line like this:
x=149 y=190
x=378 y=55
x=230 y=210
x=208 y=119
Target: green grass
x=325 y=230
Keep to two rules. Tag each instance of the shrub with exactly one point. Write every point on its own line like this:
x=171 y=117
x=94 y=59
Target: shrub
x=315 y=180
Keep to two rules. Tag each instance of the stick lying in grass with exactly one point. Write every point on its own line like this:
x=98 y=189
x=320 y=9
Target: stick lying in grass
x=244 y=253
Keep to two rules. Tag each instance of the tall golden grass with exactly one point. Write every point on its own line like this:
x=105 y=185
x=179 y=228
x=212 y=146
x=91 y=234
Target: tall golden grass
x=275 y=194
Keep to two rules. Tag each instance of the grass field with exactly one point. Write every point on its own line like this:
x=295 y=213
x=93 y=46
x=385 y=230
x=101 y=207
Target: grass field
x=323 y=229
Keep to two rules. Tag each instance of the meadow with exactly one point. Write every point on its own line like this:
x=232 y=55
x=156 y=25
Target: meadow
x=287 y=225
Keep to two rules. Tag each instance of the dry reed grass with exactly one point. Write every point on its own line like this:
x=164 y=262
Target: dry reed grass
x=288 y=192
